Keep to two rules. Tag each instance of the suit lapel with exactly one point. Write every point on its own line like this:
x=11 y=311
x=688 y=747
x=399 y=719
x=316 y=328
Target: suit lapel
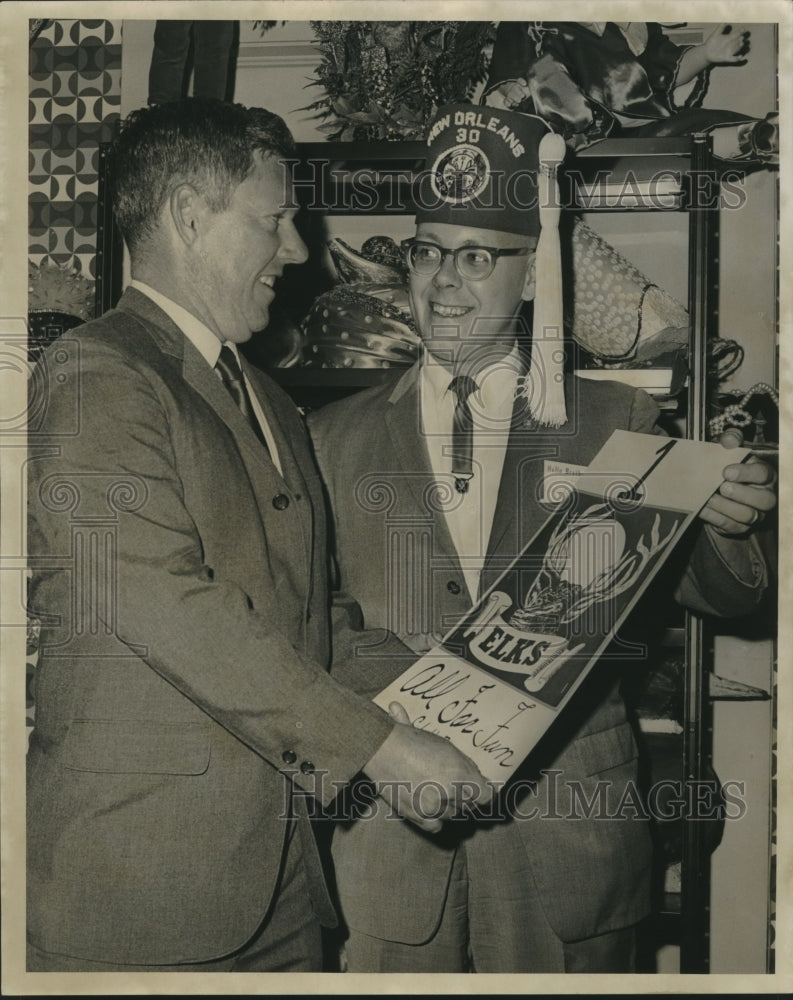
x=266 y=480
x=296 y=533
x=196 y=372
x=291 y=474
x=403 y=420
x=518 y=514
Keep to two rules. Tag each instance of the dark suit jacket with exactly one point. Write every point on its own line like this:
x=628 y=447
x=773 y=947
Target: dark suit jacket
x=182 y=583
x=396 y=557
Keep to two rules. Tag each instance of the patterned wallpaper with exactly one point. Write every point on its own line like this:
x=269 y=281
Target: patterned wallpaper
x=75 y=99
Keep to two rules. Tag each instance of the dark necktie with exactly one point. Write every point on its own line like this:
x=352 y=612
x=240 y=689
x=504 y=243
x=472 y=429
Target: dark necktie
x=231 y=374
x=462 y=432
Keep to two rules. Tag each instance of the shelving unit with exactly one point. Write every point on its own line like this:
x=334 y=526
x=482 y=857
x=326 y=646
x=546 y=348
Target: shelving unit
x=697 y=713
x=693 y=187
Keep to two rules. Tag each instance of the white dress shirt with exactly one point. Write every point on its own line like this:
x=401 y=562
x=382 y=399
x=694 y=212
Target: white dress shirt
x=209 y=347
x=469 y=515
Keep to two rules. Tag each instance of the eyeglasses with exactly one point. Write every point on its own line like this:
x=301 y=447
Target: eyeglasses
x=472 y=263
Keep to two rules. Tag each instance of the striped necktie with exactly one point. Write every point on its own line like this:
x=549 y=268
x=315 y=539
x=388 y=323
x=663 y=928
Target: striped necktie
x=230 y=372
x=462 y=432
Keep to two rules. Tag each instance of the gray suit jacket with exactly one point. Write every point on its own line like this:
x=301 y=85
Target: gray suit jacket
x=396 y=558
x=182 y=582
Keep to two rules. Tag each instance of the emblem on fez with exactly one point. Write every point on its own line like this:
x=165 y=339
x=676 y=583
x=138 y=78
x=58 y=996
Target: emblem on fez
x=460 y=174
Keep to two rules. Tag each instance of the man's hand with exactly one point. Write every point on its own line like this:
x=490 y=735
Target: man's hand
x=514 y=92
x=424 y=777
x=727 y=44
x=746 y=495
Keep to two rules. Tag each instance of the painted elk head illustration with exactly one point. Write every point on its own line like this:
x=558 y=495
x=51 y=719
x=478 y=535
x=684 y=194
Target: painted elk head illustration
x=585 y=564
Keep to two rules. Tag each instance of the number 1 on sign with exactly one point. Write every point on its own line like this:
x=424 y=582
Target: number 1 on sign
x=663 y=451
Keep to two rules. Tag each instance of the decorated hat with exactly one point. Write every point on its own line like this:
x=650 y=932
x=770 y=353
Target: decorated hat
x=489 y=168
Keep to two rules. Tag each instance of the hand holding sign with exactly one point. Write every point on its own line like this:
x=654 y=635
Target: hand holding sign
x=746 y=495
x=423 y=777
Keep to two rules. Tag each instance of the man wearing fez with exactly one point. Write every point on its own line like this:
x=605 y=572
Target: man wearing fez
x=184 y=712
x=505 y=893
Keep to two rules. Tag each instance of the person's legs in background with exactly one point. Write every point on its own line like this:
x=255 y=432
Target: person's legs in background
x=213 y=41
x=168 y=60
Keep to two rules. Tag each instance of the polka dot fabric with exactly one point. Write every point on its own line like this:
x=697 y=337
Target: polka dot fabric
x=613 y=306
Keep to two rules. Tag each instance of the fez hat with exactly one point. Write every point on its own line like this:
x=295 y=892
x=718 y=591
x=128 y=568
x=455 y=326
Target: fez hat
x=488 y=168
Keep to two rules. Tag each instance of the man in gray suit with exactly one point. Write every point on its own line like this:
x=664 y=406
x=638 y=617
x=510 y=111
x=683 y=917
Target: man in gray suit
x=424 y=524
x=183 y=706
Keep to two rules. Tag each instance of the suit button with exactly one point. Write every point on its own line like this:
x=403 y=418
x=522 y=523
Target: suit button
x=289 y=756
x=454 y=587
x=281 y=501
x=307 y=767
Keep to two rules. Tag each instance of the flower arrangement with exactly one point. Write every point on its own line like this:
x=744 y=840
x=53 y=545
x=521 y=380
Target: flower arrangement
x=54 y=288
x=385 y=79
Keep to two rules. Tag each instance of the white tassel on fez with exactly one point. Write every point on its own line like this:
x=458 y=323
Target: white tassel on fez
x=544 y=385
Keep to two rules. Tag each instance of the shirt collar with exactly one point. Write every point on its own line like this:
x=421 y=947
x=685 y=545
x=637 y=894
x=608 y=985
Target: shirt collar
x=497 y=382
x=199 y=335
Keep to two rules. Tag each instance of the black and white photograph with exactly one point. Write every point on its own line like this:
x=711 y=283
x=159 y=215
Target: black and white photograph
x=393 y=568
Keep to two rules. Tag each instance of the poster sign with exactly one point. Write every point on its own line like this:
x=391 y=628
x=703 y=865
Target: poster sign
x=503 y=674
